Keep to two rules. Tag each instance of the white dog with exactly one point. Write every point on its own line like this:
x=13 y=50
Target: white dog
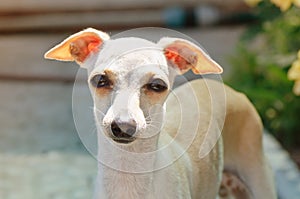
x=154 y=143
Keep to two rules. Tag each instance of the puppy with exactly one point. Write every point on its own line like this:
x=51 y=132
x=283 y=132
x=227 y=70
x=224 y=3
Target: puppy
x=155 y=142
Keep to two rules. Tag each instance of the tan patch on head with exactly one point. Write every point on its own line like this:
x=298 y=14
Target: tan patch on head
x=102 y=92
x=154 y=97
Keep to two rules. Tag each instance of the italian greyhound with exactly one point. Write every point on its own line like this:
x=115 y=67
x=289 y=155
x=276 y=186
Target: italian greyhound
x=155 y=142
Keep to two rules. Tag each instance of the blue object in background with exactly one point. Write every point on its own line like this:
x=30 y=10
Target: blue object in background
x=174 y=17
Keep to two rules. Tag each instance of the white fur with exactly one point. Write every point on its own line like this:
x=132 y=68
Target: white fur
x=130 y=59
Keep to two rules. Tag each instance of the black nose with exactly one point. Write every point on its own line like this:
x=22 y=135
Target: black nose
x=123 y=130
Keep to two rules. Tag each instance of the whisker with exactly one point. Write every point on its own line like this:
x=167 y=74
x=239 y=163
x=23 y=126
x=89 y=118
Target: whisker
x=151 y=116
x=154 y=127
x=94 y=131
x=154 y=122
x=91 y=107
x=157 y=113
x=98 y=111
x=153 y=113
x=152 y=119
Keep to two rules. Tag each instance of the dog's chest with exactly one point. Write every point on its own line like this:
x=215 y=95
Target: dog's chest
x=168 y=183
x=124 y=185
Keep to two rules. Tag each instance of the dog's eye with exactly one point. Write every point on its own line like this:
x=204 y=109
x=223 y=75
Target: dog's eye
x=157 y=85
x=100 y=81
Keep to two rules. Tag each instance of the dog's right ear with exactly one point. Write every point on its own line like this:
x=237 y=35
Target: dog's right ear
x=78 y=47
x=185 y=55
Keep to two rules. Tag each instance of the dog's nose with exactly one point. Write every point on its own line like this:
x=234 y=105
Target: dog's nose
x=123 y=129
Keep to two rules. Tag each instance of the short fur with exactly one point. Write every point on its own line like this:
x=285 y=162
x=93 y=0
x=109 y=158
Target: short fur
x=130 y=63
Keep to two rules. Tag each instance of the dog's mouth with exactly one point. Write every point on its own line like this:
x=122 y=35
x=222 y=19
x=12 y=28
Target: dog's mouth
x=123 y=140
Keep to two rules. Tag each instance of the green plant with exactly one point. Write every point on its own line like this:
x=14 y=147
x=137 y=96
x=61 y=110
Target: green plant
x=264 y=55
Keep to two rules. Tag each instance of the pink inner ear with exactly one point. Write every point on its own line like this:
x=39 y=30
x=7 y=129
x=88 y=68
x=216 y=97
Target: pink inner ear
x=185 y=56
x=94 y=46
x=172 y=54
x=81 y=48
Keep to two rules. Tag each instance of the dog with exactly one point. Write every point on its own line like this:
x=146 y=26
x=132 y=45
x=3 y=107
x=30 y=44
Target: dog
x=200 y=140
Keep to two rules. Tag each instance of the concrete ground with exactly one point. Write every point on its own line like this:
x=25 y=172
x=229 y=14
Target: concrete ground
x=53 y=175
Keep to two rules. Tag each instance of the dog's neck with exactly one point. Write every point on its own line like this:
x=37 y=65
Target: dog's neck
x=121 y=175
x=121 y=172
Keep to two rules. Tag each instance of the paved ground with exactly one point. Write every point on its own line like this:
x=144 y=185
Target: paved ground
x=46 y=176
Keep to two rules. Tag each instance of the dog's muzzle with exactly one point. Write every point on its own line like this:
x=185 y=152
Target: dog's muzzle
x=123 y=132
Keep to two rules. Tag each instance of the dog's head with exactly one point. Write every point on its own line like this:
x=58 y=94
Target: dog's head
x=130 y=78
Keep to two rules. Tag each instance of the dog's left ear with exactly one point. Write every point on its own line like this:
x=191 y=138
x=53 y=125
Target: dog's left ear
x=185 y=55
x=78 y=47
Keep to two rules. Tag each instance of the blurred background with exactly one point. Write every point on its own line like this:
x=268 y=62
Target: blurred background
x=41 y=155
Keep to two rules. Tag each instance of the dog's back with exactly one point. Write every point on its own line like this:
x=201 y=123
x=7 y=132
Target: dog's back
x=238 y=151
